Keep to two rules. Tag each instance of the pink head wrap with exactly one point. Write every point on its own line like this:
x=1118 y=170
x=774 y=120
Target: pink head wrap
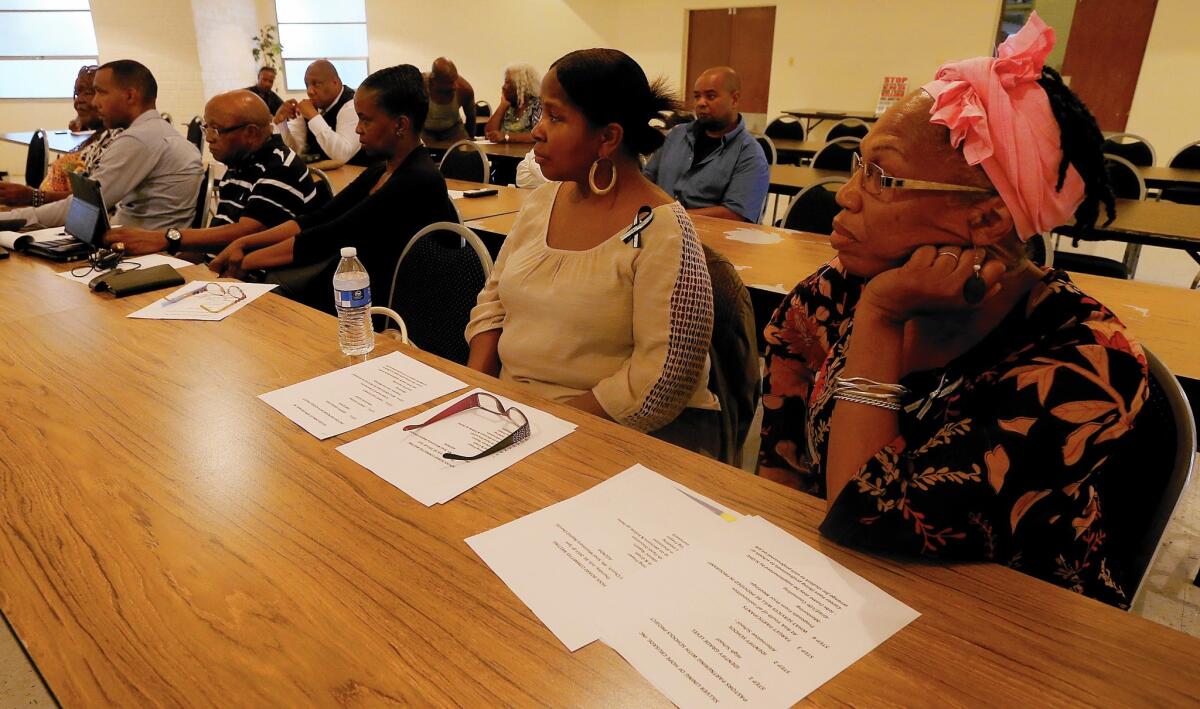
x=996 y=107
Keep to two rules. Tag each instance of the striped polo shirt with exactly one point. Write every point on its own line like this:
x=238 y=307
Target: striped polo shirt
x=270 y=186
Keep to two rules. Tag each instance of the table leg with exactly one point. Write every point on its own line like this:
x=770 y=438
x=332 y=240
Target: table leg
x=1132 y=253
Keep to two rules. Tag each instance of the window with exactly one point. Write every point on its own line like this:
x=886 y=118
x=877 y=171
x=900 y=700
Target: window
x=42 y=45
x=316 y=29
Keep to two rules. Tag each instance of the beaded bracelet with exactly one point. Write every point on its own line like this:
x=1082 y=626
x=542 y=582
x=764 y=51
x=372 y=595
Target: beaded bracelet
x=39 y=198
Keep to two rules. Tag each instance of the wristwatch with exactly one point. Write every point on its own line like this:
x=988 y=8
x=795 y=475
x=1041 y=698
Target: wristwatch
x=174 y=241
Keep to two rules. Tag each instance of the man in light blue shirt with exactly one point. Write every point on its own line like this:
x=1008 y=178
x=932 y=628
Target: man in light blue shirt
x=712 y=165
x=150 y=172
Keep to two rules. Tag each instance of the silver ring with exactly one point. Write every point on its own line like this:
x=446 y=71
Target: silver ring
x=948 y=253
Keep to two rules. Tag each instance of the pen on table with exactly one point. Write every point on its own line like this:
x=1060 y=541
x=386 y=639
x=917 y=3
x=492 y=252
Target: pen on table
x=180 y=296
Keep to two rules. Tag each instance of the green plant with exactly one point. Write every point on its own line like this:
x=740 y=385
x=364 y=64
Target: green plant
x=267 y=48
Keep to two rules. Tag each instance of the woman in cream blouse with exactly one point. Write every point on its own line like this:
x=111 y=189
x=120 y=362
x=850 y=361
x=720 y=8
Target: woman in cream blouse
x=600 y=297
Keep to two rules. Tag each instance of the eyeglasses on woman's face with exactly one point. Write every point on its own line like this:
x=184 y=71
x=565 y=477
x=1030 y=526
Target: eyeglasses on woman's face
x=875 y=180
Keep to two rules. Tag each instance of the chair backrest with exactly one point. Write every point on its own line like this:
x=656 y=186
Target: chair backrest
x=1133 y=148
x=324 y=186
x=386 y=314
x=785 y=127
x=658 y=123
x=483 y=108
x=1126 y=181
x=202 y=198
x=195 y=133
x=734 y=375
x=836 y=154
x=166 y=117
x=768 y=147
x=37 y=160
x=1188 y=157
x=1143 y=482
x=848 y=128
x=815 y=207
x=465 y=160
x=1038 y=249
x=435 y=285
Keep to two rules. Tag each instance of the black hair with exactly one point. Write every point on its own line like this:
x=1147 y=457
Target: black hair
x=269 y=68
x=609 y=87
x=400 y=91
x=131 y=74
x=1082 y=146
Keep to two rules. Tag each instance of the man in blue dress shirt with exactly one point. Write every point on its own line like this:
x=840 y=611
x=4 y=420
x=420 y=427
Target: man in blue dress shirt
x=712 y=165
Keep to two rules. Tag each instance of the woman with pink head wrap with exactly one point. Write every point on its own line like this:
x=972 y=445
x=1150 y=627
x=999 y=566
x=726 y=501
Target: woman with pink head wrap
x=945 y=395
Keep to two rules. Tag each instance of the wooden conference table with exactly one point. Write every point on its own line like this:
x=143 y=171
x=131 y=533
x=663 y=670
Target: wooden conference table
x=167 y=538
x=1164 y=318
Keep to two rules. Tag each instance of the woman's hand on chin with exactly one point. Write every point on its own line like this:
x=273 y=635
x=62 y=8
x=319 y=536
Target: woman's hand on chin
x=932 y=281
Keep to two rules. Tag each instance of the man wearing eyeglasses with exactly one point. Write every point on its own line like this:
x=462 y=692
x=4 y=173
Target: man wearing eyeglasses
x=265 y=184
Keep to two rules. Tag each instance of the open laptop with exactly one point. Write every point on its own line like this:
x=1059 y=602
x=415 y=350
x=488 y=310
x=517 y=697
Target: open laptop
x=87 y=222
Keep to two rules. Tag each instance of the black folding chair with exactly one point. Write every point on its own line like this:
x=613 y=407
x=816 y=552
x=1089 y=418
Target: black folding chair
x=37 y=160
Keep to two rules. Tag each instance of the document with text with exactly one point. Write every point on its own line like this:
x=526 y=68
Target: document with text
x=484 y=432
x=755 y=618
x=343 y=400
x=563 y=561
x=203 y=300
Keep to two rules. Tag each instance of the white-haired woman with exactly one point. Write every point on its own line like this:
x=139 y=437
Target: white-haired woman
x=520 y=106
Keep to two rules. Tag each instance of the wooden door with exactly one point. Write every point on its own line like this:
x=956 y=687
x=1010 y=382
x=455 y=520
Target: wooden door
x=742 y=38
x=1104 y=55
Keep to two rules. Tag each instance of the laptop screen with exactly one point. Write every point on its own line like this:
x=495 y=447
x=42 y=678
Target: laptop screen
x=82 y=219
x=86 y=218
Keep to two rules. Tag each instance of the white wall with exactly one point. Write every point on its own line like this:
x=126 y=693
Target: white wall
x=1167 y=100
x=826 y=54
x=223 y=31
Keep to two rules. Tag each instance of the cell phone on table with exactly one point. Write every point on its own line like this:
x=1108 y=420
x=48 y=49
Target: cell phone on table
x=482 y=192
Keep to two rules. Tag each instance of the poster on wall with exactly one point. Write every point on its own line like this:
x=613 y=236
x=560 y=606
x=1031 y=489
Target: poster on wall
x=894 y=88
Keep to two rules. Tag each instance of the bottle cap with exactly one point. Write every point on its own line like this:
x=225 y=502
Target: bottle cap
x=349 y=252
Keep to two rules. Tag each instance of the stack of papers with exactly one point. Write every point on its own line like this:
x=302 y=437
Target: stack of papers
x=710 y=606
x=413 y=462
x=343 y=400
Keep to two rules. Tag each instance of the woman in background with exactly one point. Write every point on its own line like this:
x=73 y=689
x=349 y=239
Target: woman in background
x=520 y=106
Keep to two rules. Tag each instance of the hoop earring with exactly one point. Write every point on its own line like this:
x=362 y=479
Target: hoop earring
x=592 y=177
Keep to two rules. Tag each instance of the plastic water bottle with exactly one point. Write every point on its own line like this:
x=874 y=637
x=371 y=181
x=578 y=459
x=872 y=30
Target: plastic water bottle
x=352 y=297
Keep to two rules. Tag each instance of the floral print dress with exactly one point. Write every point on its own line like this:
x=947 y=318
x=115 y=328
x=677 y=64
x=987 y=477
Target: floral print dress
x=1001 y=453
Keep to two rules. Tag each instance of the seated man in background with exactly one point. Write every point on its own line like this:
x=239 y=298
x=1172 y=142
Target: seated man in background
x=447 y=93
x=712 y=165
x=264 y=89
x=266 y=183
x=321 y=127
x=400 y=194
x=150 y=172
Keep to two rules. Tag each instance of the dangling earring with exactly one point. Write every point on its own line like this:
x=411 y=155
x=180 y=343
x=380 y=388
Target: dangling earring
x=975 y=288
x=592 y=177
